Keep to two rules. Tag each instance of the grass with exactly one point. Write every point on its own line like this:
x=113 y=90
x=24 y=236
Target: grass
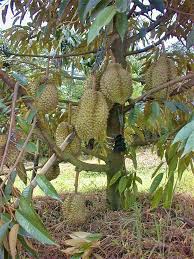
x=89 y=181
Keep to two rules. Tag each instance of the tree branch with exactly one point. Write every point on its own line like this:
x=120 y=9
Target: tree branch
x=138 y=51
x=51 y=56
x=83 y=166
x=147 y=95
x=152 y=26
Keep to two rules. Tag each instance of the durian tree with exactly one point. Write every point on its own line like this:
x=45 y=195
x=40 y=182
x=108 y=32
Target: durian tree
x=53 y=43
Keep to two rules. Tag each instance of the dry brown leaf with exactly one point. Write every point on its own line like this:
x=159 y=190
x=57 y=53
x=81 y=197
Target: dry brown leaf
x=6 y=243
x=13 y=240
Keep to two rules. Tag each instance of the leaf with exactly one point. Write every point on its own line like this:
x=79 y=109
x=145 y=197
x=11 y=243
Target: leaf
x=103 y=18
x=138 y=179
x=122 y=5
x=158 y=5
x=27 y=192
x=3 y=231
x=10 y=182
x=20 y=78
x=115 y=178
x=171 y=106
x=4 y=13
x=63 y=5
x=157 y=169
x=189 y=147
x=155 y=110
x=157 y=197
x=30 y=147
x=47 y=187
x=121 y=24
x=81 y=9
x=32 y=252
x=184 y=133
x=13 y=240
x=190 y=39
x=122 y=184
x=21 y=172
x=23 y=124
x=31 y=115
x=31 y=222
x=40 y=91
x=155 y=183
x=183 y=107
x=89 y=6
x=99 y=8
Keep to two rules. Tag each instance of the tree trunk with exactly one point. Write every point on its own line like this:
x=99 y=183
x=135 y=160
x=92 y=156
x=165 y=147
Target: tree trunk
x=115 y=128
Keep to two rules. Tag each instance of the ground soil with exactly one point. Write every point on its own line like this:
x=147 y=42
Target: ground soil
x=140 y=232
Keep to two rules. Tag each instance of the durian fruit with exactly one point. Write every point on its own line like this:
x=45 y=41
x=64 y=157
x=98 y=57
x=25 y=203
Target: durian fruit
x=62 y=131
x=116 y=83
x=92 y=116
x=45 y=95
x=74 y=209
x=160 y=72
x=12 y=153
x=53 y=172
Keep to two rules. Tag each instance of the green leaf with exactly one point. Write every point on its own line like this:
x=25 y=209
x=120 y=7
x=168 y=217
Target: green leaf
x=190 y=39
x=30 y=221
x=189 y=147
x=23 y=124
x=157 y=169
x=158 y=4
x=89 y=6
x=30 y=147
x=155 y=110
x=121 y=24
x=10 y=182
x=31 y=115
x=40 y=91
x=21 y=172
x=81 y=9
x=157 y=197
x=3 y=231
x=27 y=192
x=122 y=5
x=99 y=8
x=20 y=78
x=157 y=180
x=138 y=179
x=183 y=107
x=47 y=187
x=103 y=18
x=115 y=178
x=168 y=192
x=63 y=5
x=171 y=106
x=184 y=133
x=122 y=184
x=28 y=249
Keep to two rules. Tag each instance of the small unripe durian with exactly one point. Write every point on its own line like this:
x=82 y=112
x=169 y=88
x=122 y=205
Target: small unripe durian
x=62 y=131
x=12 y=153
x=74 y=209
x=45 y=95
x=116 y=83
x=53 y=172
x=92 y=116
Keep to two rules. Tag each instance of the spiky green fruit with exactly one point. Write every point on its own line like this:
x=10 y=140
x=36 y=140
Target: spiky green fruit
x=92 y=116
x=116 y=83
x=160 y=72
x=74 y=209
x=62 y=131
